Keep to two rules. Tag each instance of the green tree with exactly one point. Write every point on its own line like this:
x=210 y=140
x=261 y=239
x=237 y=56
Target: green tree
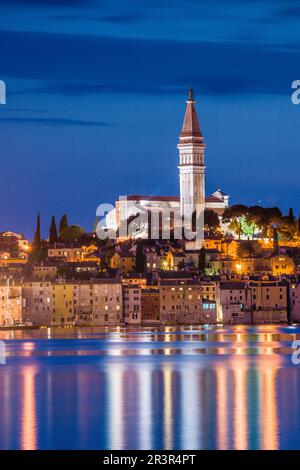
x=275 y=242
x=63 y=224
x=37 y=234
x=97 y=220
x=140 y=258
x=53 y=231
x=211 y=220
x=234 y=217
x=248 y=249
x=254 y=216
x=72 y=233
x=291 y=217
x=38 y=250
x=202 y=260
x=270 y=218
x=107 y=252
x=248 y=227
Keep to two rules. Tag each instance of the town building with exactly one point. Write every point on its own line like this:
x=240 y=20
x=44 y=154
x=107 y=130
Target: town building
x=150 y=306
x=295 y=301
x=64 y=302
x=44 y=271
x=282 y=265
x=10 y=303
x=61 y=251
x=180 y=301
x=132 y=304
x=37 y=302
x=123 y=260
x=13 y=243
x=98 y=302
x=252 y=302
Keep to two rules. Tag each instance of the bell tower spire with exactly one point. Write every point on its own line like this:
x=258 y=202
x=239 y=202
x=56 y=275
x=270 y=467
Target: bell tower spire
x=191 y=162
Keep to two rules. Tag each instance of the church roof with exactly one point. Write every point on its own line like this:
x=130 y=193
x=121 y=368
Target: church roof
x=219 y=191
x=138 y=197
x=191 y=126
x=213 y=198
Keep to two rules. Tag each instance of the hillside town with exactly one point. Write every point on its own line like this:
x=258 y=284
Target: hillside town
x=85 y=281
x=244 y=269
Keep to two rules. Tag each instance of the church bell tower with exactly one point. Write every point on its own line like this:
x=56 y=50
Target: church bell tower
x=191 y=162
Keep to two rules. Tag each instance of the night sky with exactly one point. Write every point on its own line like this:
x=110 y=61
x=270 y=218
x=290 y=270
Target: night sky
x=96 y=94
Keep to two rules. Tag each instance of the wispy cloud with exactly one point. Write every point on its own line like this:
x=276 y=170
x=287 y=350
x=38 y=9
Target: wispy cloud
x=47 y=3
x=52 y=121
x=122 y=18
x=80 y=64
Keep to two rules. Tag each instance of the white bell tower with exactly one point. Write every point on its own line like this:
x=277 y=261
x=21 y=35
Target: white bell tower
x=191 y=163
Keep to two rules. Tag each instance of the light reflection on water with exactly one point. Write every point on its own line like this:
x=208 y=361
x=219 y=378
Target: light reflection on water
x=189 y=388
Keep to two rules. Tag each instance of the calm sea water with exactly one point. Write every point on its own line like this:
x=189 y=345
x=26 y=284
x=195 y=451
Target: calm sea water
x=174 y=388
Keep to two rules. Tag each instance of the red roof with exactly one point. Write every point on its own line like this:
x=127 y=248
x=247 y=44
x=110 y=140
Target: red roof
x=212 y=198
x=191 y=126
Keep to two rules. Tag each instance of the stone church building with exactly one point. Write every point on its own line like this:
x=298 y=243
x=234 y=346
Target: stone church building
x=191 y=180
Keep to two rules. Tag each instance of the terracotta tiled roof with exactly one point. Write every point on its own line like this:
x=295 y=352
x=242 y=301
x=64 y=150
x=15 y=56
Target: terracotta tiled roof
x=212 y=198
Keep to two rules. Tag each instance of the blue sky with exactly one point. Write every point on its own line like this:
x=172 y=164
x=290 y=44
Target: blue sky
x=96 y=94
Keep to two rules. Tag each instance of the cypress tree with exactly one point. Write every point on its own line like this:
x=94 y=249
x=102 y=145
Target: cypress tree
x=291 y=217
x=97 y=220
x=140 y=258
x=63 y=224
x=202 y=260
x=275 y=242
x=37 y=234
x=36 y=247
x=53 y=231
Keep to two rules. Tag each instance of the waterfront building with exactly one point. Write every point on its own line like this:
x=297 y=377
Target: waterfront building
x=63 y=302
x=208 y=290
x=10 y=303
x=180 y=301
x=295 y=301
x=269 y=301
x=251 y=302
x=98 y=302
x=37 y=302
x=132 y=304
x=209 y=312
x=150 y=306
x=231 y=298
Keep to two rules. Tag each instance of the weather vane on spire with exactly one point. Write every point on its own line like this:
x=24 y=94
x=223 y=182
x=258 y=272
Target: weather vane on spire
x=191 y=94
